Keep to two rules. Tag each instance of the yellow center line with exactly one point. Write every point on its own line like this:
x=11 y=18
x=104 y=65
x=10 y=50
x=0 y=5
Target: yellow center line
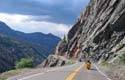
x=73 y=74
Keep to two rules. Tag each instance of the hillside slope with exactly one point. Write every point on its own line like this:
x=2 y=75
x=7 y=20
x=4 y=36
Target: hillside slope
x=12 y=50
x=15 y=45
x=47 y=42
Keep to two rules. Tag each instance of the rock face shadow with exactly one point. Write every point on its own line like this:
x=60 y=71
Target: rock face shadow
x=93 y=69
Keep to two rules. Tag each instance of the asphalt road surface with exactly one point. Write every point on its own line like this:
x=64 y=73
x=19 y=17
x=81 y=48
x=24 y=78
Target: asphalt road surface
x=71 y=72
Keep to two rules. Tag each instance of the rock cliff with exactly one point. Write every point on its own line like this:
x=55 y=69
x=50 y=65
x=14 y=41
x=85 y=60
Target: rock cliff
x=99 y=35
x=99 y=32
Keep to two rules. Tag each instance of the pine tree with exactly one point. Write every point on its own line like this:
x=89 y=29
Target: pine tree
x=64 y=39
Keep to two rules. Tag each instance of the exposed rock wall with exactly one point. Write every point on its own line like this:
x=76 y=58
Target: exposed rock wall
x=99 y=31
x=56 y=60
x=99 y=35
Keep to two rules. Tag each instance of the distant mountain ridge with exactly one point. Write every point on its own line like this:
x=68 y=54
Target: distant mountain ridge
x=19 y=45
x=47 y=41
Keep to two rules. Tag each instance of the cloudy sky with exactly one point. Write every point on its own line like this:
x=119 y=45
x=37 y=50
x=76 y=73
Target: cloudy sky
x=46 y=16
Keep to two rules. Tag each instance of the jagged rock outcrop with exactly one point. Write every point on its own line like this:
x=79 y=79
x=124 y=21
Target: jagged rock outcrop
x=99 y=31
x=55 y=60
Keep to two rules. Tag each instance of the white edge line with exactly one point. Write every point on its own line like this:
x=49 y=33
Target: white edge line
x=102 y=72
x=31 y=76
x=43 y=73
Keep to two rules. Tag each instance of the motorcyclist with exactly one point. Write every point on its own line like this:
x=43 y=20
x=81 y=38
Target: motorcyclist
x=88 y=65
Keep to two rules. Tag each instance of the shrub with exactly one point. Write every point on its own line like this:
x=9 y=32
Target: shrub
x=70 y=62
x=3 y=79
x=24 y=63
x=122 y=58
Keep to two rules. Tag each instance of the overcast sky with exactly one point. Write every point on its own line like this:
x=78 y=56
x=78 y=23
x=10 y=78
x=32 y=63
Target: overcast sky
x=46 y=16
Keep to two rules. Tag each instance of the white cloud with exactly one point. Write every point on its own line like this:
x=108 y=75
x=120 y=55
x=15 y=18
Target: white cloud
x=12 y=18
x=26 y=24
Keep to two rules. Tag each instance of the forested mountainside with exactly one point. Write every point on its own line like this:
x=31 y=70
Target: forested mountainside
x=15 y=45
x=46 y=41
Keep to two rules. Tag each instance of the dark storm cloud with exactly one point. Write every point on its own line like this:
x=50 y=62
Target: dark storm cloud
x=59 y=11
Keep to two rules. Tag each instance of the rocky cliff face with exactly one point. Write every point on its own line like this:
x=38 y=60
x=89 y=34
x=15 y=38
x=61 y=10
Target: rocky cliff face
x=98 y=33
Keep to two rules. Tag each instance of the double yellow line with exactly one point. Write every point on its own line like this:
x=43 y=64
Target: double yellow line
x=73 y=74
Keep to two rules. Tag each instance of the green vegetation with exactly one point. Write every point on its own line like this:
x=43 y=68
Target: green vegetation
x=3 y=78
x=21 y=66
x=122 y=58
x=17 y=49
x=106 y=66
x=70 y=62
x=24 y=63
x=64 y=39
x=105 y=63
x=8 y=74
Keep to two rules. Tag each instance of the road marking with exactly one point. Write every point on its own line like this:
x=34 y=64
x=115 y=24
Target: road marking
x=73 y=74
x=34 y=75
x=37 y=74
x=102 y=73
x=31 y=76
